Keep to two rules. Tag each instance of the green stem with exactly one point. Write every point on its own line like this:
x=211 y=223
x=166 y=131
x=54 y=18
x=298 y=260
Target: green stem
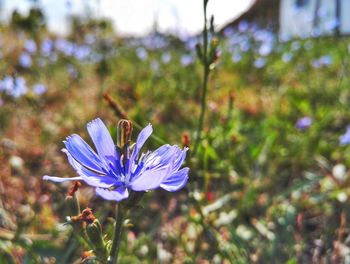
x=206 y=71
x=113 y=255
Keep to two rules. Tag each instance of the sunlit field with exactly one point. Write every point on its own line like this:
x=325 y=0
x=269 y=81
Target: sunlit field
x=265 y=121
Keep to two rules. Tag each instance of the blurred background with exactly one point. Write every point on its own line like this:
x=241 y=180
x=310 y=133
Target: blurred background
x=269 y=175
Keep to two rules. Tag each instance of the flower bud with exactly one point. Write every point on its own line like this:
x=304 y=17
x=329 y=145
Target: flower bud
x=185 y=138
x=94 y=233
x=212 y=27
x=72 y=203
x=123 y=133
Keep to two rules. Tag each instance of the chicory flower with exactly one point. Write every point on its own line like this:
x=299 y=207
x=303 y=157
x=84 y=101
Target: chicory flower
x=345 y=138
x=114 y=172
x=303 y=123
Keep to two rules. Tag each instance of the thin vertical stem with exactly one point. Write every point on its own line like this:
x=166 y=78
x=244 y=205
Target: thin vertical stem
x=113 y=255
x=205 y=80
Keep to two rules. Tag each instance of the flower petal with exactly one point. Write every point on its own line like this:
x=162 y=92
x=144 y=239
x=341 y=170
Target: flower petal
x=84 y=154
x=143 y=136
x=88 y=176
x=175 y=181
x=116 y=194
x=141 y=139
x=150 y=179
x=163 y=156
x=59 y=179
x=102 y=139
x=181 y=156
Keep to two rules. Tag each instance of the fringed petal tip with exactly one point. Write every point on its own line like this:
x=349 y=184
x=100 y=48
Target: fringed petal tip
x=94 y=121
x=64 y=150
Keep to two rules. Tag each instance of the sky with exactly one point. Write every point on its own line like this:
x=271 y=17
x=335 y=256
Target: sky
x=137 y=17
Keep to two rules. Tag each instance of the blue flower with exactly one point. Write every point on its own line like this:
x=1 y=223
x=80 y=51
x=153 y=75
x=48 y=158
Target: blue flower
x=303 y=123
x=39 y=89
x=141 y=53
x=345 y=138
x=30 y=46
x=47 y=47
x=113 y=174
x=15 y=87
x=259 y=63
x=25 y=60
x=186 y=59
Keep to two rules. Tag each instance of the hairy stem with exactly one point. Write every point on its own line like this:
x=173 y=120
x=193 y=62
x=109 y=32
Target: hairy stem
x=113 y=255
x=205 y=80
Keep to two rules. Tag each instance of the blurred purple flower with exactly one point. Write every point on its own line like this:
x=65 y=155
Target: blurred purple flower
x=186 y=59
x=345 y=138
x=112 y=174
x=283 y=37
x=72 y=71
x=295 y=46
x=25 y=60
x=243 y=26
x=39 y=89
x=141 y=53
x=236 y=57
x=332 y=24
x=30 y=46
x=304 y=123
x=326 y=60
x=7 y=84
x=287 y=57
x=82 y=52
x=15 y=87
x=265 y=49
x=322 y=61
x=259 y=63
x=166 y=57
x=47 y=46
x=191 y=43
x=244 y=45
x=154 y=42
x=20 y=88
x=65 y=46
x=229 y=31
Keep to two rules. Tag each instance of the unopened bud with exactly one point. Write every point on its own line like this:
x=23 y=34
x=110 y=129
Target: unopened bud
x=185 y=139
x=212 y=28
x=94 y=233
x=72 y=203
x=86 y=255
x=213 y=51
x=123 y=133
x=86 y=216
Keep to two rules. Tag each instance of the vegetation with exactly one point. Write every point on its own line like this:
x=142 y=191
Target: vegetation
x=266 y=186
